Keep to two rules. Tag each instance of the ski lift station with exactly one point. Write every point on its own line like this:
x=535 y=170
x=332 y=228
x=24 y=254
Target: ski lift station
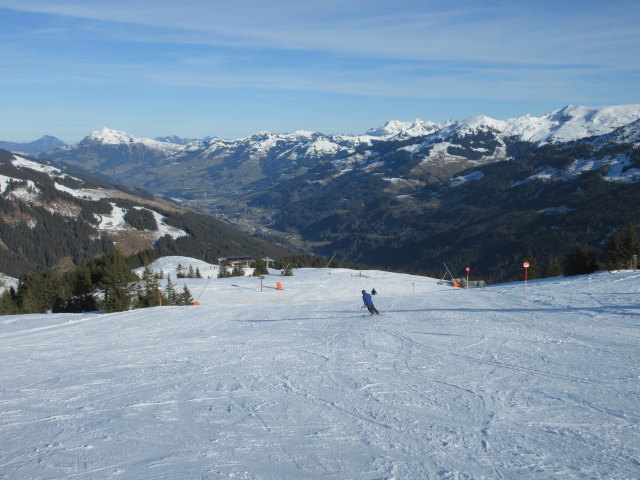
x=243 y=261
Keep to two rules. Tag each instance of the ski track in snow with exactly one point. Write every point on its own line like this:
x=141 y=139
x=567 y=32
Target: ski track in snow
x=508 y=381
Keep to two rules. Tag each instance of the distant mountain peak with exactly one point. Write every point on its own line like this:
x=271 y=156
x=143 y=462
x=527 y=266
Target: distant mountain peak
x=179 y=140
x=304 y=134
x=44 y=143
x=110 y=136
x=481 y=121
x=416 y=128
x=569 y=123
x=48 y=138
x=573 y=122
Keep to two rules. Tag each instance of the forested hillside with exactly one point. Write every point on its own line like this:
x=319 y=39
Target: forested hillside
x=53 y=218
x=540 y=203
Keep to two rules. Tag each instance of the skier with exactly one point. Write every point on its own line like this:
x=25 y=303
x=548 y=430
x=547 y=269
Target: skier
x=368 y=302
x=373 y=292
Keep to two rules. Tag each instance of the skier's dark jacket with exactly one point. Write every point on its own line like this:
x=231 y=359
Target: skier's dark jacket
x=366 y=298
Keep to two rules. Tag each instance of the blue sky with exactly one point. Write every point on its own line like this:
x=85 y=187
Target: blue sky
x=199 y=68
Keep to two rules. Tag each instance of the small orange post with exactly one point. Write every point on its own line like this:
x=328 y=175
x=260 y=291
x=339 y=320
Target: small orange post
x=278 y=286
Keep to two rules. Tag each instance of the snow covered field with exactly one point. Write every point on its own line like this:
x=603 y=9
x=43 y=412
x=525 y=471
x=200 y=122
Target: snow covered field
x=495 y=382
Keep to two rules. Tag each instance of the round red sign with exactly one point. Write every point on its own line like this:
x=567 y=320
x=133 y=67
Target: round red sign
x=525 y=264
x=468 y=269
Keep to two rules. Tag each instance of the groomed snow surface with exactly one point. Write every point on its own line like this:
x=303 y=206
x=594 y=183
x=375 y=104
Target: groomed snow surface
x=505 y=381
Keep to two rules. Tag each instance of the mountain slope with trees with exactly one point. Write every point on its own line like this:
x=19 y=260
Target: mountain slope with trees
x=488 y=217
x=53 y=218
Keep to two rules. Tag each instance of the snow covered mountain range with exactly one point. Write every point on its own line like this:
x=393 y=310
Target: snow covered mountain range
x=563 y=125
x=232 y=165
x=405 y=194
x=217 y=174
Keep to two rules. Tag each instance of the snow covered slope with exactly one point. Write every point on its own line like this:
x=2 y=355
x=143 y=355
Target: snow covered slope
x=500 y=382
x=171 y=266
x=6 y=282
x=417 y=128
x=568 y=123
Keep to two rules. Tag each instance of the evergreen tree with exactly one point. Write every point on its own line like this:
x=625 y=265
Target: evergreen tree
x=115 y=281
x=31 y=294
x=288 y=270
x=139 y=295
x=142 y=258
x=553 y=268
x=148 y=289
x=238 y=270
x=81 y=290
x=261 y=268
x=55 y=290
x=223 y=272
x=620 y=248
x=191 y=272
x=8 y=303
x=612 y=255
x=580 y=261
x=180 y=271
x=198 y=274
x=170 y=296
x=185 y=298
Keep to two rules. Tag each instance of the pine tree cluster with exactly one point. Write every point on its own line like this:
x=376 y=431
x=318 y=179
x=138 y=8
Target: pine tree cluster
x=182 y=272
x=107 y=283
x=236 y=271
x=260 y=268
x=617 y=254
x=141 y=219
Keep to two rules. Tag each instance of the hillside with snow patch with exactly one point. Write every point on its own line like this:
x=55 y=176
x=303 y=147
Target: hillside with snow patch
x=87 y=217
x=509 y=381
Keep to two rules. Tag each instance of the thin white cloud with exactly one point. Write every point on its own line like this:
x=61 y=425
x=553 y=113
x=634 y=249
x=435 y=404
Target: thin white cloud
x=391 y=80
x=104 y=56
x=418 y=30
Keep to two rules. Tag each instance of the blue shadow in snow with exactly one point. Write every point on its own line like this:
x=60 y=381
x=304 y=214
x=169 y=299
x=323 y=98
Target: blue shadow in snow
x=600 y=309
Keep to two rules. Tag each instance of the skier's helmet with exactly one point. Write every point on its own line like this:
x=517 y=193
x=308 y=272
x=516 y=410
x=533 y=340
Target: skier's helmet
x=363 y=291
